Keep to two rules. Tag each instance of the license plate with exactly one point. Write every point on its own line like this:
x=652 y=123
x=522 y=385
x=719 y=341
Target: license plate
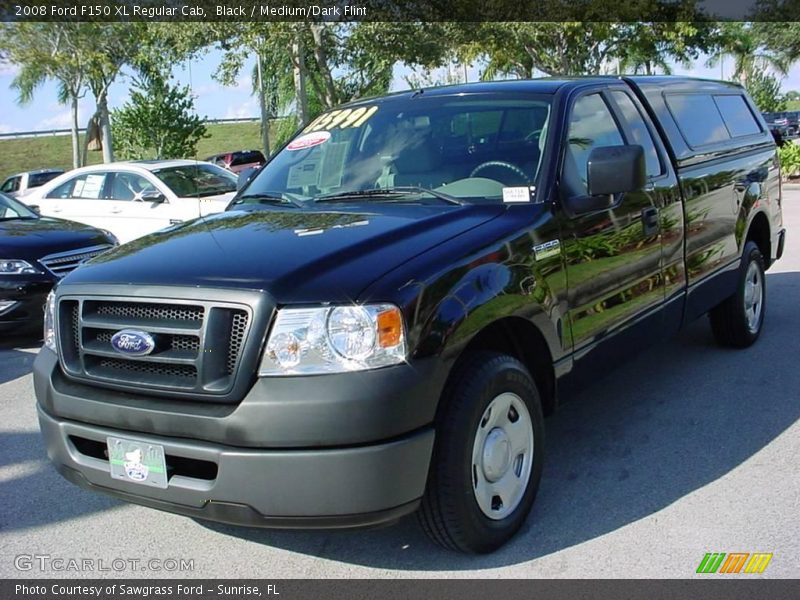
x=138 y=462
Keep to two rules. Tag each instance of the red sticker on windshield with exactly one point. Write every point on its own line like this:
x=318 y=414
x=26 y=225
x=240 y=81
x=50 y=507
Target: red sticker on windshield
x=309 y=140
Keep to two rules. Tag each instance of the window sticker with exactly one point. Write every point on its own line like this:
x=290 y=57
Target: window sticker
x=309 y=140
x=305 y=174
x=342 y=119
x=517 y=194
x=333 y=165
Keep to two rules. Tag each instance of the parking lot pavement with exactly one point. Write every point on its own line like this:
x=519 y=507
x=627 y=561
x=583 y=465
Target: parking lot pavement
x=685 y=450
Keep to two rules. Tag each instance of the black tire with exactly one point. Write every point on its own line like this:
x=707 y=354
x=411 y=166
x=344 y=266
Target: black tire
x=450 y=513
x=729 y=320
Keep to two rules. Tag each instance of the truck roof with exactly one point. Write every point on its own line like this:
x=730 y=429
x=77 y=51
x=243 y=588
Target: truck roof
x=549 y=85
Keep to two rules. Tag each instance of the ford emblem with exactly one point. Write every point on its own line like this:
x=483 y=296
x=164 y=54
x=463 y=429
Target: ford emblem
x=133 y=342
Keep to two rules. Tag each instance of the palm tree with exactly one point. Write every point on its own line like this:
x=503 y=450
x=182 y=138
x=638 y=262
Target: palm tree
x=749 y=55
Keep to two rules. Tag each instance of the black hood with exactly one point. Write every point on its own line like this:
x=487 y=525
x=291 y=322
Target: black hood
x=296 y=255
x=31 y=239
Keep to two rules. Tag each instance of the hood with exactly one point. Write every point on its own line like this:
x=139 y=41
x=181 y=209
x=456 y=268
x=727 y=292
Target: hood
x=34 y=238
x=296 y=255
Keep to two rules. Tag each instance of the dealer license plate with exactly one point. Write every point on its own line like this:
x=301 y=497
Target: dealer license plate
x=138 y=462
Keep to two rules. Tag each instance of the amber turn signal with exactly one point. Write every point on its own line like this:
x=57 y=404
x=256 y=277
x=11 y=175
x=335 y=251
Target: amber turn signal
x=390 y=328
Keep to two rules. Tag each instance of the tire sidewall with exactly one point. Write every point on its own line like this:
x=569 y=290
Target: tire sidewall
x=507 y=375
x=751 y=254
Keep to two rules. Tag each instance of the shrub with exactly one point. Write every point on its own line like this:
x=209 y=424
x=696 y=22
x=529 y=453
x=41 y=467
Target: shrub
x=790 y=159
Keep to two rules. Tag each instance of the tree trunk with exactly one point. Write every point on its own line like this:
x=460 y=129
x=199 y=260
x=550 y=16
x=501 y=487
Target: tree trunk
x=262 y=104
x=76 y=144
x=85 y=152
x=329 y=97
x=300 y=78
x=105 y=128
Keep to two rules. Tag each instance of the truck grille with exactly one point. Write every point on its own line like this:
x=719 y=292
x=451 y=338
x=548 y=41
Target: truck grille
x=62 y=263
x=198 y=345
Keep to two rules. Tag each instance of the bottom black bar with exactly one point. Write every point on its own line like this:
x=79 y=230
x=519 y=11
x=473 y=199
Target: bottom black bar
x=735 y=588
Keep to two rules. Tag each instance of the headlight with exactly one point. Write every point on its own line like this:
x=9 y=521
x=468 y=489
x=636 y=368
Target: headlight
x=50 y=322
x=334 y=340
x=11 y=266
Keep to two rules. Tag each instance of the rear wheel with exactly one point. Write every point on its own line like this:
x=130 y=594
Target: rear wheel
x=737 y=321
x=488 y=458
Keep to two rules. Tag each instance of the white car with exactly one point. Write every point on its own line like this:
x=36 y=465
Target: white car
x=132 y=199
x=21 y=184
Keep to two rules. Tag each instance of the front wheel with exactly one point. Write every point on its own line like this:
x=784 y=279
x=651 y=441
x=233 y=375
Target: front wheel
x=738 y=320
x=488 y=457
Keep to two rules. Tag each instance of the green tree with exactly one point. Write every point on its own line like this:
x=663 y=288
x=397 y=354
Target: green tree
x=47 y=51
x=765 y=89
x=745 y=43
x=158 y=121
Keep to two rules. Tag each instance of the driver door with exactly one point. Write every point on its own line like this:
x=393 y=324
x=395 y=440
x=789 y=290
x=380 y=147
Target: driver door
x=613 y=256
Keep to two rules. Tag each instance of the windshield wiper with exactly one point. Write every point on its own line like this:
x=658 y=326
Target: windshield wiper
x=387 y=193
x=266 y=199
x=20 y=218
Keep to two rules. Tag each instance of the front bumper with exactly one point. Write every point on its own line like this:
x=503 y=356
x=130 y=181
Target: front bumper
x=330 y=451
x=29 y=296
x=330 y=488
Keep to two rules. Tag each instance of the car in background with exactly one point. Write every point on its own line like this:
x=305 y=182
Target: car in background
x=35 y=252
x=20 y=184
x=132 y=199
x=787 y=123
x=239 y=160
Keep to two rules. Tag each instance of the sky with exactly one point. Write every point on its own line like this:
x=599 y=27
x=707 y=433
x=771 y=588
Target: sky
x=213 y=100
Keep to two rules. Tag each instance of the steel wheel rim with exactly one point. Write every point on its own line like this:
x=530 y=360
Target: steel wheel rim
x=502 y=456
x=753 y=297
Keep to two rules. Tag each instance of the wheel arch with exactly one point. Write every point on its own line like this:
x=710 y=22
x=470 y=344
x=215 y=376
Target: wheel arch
x=521 y=339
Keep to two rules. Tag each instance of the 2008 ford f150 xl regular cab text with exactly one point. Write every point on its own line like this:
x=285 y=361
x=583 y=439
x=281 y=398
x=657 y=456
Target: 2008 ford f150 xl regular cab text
x=385 y=312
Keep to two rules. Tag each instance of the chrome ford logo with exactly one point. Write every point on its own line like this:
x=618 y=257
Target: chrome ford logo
x=133 y=342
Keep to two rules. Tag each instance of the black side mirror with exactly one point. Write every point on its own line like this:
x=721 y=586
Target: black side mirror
x=35 y=208
x=615 y=170
x=245 y=175
x=153 y=196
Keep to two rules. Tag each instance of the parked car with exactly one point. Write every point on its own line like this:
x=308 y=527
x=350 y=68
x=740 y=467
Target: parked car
x=381 y=319
x=787 y=121
x=132 y=199
x=20 y=184
x=238 y=161
x=35 y=252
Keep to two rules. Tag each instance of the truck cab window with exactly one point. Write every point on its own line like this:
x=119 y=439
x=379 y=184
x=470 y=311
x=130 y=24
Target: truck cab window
x=591 y=125
x=641 y=134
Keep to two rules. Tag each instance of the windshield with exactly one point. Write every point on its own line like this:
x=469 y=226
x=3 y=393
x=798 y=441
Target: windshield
x=39 y=179
x=197 y=180
x=11 y=209
x=467 y=147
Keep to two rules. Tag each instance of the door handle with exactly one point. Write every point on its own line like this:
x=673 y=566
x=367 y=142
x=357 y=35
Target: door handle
x=116 y=210
x=650 y=224
x=56 y=209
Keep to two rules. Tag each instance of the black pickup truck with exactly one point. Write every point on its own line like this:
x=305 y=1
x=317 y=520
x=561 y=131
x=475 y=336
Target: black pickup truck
x=389 y=307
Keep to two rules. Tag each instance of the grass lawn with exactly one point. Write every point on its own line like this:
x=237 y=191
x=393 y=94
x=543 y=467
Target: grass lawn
x=25 y=154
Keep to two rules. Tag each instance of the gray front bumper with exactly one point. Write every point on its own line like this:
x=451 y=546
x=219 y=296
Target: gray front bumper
x=346 y=487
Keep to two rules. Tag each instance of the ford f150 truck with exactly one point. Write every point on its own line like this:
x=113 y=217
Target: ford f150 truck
x=389 y=307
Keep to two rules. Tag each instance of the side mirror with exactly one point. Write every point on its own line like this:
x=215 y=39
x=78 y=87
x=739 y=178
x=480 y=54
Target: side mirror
x=35 y=208
x=245 y=176
x=153 y=196
x=615 y=170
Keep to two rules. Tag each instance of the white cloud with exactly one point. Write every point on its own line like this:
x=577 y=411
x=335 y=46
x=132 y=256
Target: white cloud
x=5 y=128
x=248 y=108
x=59 y=120
x=8 y=69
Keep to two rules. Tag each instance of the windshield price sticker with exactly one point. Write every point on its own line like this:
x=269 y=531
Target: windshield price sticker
x=342 y=119
x=517 y=194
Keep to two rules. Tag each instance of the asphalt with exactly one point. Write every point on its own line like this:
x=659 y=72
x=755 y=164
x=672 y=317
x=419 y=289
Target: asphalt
x=684 y=450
